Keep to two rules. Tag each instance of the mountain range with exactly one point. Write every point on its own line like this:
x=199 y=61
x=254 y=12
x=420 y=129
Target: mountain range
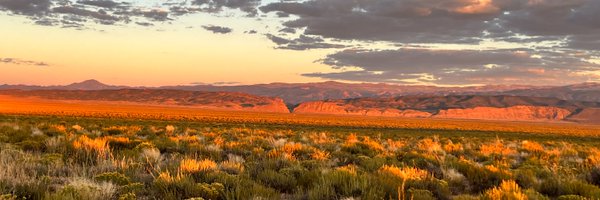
x=580 y=102
x=296 y=93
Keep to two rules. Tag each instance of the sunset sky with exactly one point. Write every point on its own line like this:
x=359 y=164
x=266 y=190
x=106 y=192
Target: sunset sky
x=171 y=42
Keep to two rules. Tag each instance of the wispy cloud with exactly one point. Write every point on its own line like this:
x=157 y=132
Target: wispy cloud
x=218 y=29
x=16 y=61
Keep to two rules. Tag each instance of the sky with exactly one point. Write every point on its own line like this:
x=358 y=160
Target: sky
x=181 y=42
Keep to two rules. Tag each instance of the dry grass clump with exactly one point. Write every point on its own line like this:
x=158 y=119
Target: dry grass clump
x=231 y=167
x=195 y=166
x=496 y=148
x=286 y=151
x=118 y=130
x=405 y=173
x=119 y=140
x=99 y=146
x=452 y=147
x=348 y=168
x=320 y=155
x=320 y=138
x=184 y=138
x=151 y=155
x=83 y=188
x=508 y=190
x=351 y=139
x=394 y=145
x=77 y=127
x=430 y=145
x=593 y=157
x=532 y=146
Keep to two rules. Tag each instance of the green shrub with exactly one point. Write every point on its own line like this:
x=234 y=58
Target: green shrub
x=479 y=178
x=211 y=191
x=85 y=189
x=360 y=149
x=175 y=188
x=371 y=164
x=33 y=190
x=594 y=176
x=132 y=188
x=247 y=189
x=550 y=187
x=277 y=180
x=128 y=196
x=438 y=188
x=465 y=197
x=578 y=187
x=526 y=178
x=419 y=194
x=114 y=177
x=114 y=131
x=534 y=195
x=32 y=145
x=571 y=197
x=338 y=184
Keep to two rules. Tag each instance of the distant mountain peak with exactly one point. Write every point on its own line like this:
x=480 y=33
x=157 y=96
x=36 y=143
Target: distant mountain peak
x=585 y=86
x=91 y=81
x=91 y=84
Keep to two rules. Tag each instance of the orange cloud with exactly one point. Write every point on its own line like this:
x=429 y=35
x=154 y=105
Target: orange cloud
x=478 y=7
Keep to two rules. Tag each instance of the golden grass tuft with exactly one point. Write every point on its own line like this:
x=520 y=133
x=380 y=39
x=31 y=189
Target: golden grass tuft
x=532 y=146
x=373 y=144
x=429 y=145
x=496 y=148
x=395 y=145
x=184 y=138
x=194 y=166
x=508 y=190
x=98 y=145
x=231 y=167
x=122 y=140
x=320 y=155
x=594 y=157
x=167 y=177
x=348 y=168
x=405 y=173
x=351 y=139
x=453 y=147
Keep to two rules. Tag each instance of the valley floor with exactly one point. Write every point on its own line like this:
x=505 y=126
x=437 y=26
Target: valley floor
x=74 y=157
x=126 y=110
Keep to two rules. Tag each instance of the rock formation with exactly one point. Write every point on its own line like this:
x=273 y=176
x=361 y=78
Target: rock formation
x=516 y=113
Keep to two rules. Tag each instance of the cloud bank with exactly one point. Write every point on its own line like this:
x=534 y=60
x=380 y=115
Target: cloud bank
x=441 y=42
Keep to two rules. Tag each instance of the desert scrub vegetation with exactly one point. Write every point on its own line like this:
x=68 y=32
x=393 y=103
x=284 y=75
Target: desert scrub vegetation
x=96 y=158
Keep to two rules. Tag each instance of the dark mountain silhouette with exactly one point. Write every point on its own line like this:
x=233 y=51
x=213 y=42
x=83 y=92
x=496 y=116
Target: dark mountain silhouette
x=91 y=85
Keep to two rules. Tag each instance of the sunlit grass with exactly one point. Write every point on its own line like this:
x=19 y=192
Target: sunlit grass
x=75 y=158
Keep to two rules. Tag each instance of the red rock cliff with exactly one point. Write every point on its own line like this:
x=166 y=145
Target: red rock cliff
x=320 y=107
x=528 y=113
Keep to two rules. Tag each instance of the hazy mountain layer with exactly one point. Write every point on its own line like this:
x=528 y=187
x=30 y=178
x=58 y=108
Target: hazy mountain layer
x=295 y=93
